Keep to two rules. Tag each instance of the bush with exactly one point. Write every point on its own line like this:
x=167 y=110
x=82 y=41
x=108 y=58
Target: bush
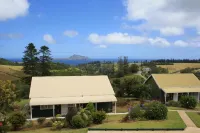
x=174 y=103
x=17 y=120
x=98 y=117
x=58 y=115
x=156 y=111
x=78 y=122
x=136 y=113
x=90 y=107
x=57 y=125
x=28 y=124
x=188 y=102
x=49 y=124
x=71 y=112
x=125 y=118
x=41 y=120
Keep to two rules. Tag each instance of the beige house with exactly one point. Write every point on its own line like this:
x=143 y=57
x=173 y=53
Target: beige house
x=172 y=86
x=56 y=94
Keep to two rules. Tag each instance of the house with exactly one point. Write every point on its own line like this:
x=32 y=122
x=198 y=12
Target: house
x=54 y=95
x=167 y=87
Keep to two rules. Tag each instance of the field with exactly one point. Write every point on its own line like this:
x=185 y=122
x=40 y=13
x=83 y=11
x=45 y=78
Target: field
x=179 y=66
x=10 y=72
x=195 y=117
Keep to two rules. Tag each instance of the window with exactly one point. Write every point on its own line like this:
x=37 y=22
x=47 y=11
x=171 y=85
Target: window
x=43 y=107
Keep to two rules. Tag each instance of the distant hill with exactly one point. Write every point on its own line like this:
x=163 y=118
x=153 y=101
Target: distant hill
x=7 y=62
x=77 y=57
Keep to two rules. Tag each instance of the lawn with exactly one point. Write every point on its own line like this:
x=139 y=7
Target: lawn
x=173 y=121
x=47 y=130
x=181 y=108
x=195 y=117
x=180 y=66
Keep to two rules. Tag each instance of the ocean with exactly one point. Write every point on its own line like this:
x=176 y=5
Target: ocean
x=77 y=62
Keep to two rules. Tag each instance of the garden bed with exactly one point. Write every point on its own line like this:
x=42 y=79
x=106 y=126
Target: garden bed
x=173 y=121
x=195 y=117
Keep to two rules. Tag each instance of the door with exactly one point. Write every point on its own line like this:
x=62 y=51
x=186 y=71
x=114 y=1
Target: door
x=64 y=109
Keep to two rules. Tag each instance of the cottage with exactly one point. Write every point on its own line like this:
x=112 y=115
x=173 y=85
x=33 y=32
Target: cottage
x=167 y=87
x=54 y=95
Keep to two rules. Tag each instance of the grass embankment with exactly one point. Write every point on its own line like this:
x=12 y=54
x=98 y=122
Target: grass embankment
x=8 y=72
x=195 y=117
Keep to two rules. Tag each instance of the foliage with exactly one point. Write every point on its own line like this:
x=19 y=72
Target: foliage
x=57 y=125
x=126 y=65
x=71 y=71
x=133 y=68
x=121 y=102
x=156 y=111
x=125 y=118
x=48 y=124
x=28 y=124
x=120 y=67
x=7 y=95
x=142 y=91
x=78 y=122
x=59 y=66
x=86 y=116
x=174 y=103
x=71 y=112
x=7 y=62
x=58 y=115
x=90 y=107
x=41 y=120
x=188 y=102
x=30 y=60
x=98 y=117
x=17 y=119
x=45 y=61
x=4 y=127
x=187 y=70
x=136 y=113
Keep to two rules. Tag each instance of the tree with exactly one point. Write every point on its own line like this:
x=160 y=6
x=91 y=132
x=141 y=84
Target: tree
x=134 y=68
x=45 y=61
x=30 y=60
x=120 y=67
x=7 y=95
x=126 y=65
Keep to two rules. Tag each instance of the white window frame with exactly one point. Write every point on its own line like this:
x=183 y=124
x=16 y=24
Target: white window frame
x=44 y=107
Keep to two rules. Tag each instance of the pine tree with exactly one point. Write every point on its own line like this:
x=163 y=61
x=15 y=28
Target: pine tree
x=30 y=60
x=120 y=67
x=126 y=65
x=45 y=61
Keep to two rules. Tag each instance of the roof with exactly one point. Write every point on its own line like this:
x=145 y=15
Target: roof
x=70 y=89
x=174 y=83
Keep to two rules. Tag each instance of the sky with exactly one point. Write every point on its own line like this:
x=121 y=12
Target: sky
x=139 y=29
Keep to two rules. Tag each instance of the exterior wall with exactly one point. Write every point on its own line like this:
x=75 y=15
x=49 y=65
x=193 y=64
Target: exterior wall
x=175 y=97
x=157 y=93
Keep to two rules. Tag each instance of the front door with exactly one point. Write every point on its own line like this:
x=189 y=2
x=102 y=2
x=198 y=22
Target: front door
x=64 y=109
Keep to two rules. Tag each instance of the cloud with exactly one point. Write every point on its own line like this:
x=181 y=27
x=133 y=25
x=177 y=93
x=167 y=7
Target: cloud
x=162 y=14
x=171 y=31
x=11 y=9
x=180 y=43
x=125 y=38
x=49 y=39
x=11 y=36
x=198 y=33
x=102 y=46
x=70 y=33
x=159 y=42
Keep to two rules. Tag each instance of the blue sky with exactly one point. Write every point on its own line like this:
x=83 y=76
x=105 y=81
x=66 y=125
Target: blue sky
x=101 y=28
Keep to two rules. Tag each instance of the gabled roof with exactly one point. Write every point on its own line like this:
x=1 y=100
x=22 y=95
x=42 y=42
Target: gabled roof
x=70 y=89
x=174 y=83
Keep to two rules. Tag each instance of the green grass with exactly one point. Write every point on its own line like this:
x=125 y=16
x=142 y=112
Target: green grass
x=181 y=108
x=47 y=130
x=195 y=117
x=173 y=121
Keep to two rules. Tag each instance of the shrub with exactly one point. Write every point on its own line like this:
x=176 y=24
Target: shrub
x=98 y=117
x=174 y=103
x=58 y=115
x=49 y=124
x=17 y=120
x=125 y=118
x=188 y=102
x=136 y=113
x=156 y=111
x=89 y=114
x=57 y=125
x=41 y=120
x=71 y=112
x=90 y=107
x=28 y=124
x=78 y=122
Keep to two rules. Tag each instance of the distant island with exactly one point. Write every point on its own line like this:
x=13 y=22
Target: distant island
x=77 y=57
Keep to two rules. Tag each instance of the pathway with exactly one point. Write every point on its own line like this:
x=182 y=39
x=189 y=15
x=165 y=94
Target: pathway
x=188 y=122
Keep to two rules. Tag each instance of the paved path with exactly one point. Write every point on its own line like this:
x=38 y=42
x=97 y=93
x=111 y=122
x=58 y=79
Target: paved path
x=188 y=122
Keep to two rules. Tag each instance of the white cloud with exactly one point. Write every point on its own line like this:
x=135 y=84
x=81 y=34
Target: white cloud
x=125 y=38
x=10 y=36
x=171 y=31
x=116 y=38
x=70 y=33
x=10 y=9
x=159 y=14
x=102 y=46
x=162 y=42
x=180 y=43
x=49 y=39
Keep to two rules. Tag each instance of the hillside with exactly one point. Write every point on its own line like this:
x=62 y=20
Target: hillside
x=78 y=57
